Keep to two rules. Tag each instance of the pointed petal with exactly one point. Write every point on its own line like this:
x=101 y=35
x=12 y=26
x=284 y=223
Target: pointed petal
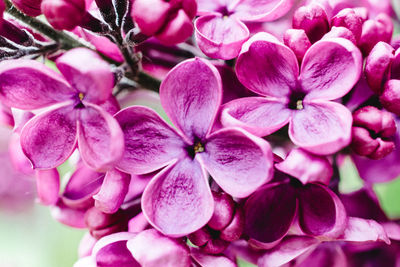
x=330 y=69
x=220 y=37
x=257 y=115
x=269 y=212
x=191 y=95
x=306 y=167
x=321 y=127
x=267 y=67
x=262 y=10
x=288 y=249
x=178 y=200
x=48 y=139
x=362 y=230
x=207 y=260
x=150 y=143
x=100 y=138
x=113 y=191
x=28 y=84
x=152 y=249
x=239 y=162
x=48 y=186
x=88 y=73
x=321 y=213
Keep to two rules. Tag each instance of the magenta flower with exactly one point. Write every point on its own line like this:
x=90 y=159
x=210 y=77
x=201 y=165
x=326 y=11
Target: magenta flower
x=49 y=138
x=220 y=29
x=178 y=200
x=329 y=70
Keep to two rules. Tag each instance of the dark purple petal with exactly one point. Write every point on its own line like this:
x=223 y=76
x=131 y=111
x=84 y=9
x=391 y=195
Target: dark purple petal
x=113 y=191
x=48 y=186
x=178 y=200
x=191 y=95
x=261 y=10
x=321 y=127
x=220 y=37
x=321 y=212
x=269 y=212
x=152 y=249
x=48 y=139
x=100 y=138
x=322 y=75
x=28 y=84
x=237 y=161
x=267 y=67
x=88 y=73
x=150 y=143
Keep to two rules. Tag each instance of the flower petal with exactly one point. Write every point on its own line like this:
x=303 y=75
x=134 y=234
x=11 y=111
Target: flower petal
x=88 y=73
x=178 y=200
x=191 y=95
x=48 y=139
x=152 y=249
x=267 y=67
x=330 y=69
x=69 y=216
x=362 y=230
x=321 y=213
x=237 y=161
x=48 y=186
x=100 y=138
x=257 y=115
x=207 y=260
x=321 y=127
x=262 y=10
x=219 y=36
x=150 y=142
x=28 y=85
x=113 y=191
x=269 y=212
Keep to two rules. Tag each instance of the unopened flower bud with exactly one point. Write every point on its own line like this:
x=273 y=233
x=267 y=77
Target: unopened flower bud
x=349 y=19
x=101 y=224
x=340 y=32
x=390 y=98
x=200 y=237
x=223 y=211
x=313 y=20
x=235 y=229
x=29 y=7
x=372 y=132
x=374 y=31
x=215 y=246
x=64 y=14
x=298 y=41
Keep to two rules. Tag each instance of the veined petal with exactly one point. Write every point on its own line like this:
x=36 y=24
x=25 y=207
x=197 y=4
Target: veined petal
x=267 y=67
x=330 y=69
x=191 y=95
x=113 y=191
x=239 y=162
x=321 y=213
x=321 y=127
x=261 y=10
x=209 y=6
x=48 y=139
x=152 y=249
x=150 y=143
x=28 y=85
x=88 y=73
x=178 y=200
x=100 y=138
x=257 y=115
x=269 y=212
x=48 y=186
x=362 y=230
x=219 y=36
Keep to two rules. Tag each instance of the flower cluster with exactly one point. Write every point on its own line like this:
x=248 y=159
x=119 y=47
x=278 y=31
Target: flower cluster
x=199 y=132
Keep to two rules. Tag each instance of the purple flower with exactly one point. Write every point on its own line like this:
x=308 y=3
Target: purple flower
x=64 y=14
x=329 y=70
x=178 y=200
x=220 y=31
x=49 y=138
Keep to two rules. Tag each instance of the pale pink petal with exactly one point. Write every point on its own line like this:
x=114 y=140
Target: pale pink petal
x=48 y=186
x=207 y=260
x=261 y=10
x=362 y=230
x=69 y=216
x=178 y=200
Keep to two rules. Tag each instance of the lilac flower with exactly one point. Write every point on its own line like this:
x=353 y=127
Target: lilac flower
x=329 y=70
x=178 y=200
x=220 y=31
x=302 y=201
x=64 y=14
x=49 y=138
x=29 y=7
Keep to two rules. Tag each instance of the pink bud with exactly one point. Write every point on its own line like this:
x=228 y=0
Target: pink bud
x=390 y=97
x=298 y=41
x=101 y=224
x=215 y=246
x=200 y=237
x=64 y=14
x=235 y=229
x=313 y=20
x=374 y=31
x=223 y=211
x=372 y=132
x=340 y=32
x=349 y=19
x=29 y=7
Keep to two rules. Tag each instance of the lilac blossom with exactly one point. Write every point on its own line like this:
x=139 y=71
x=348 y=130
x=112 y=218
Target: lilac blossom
x=63 y=14
x=220 y=29
x=270 y=69
x=178 y=199
x=29 y=7
x=74 y=117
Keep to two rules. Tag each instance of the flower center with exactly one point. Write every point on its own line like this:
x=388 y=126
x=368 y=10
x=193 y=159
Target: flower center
x=296 y=100
x=198 y=148
x=81 y=96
